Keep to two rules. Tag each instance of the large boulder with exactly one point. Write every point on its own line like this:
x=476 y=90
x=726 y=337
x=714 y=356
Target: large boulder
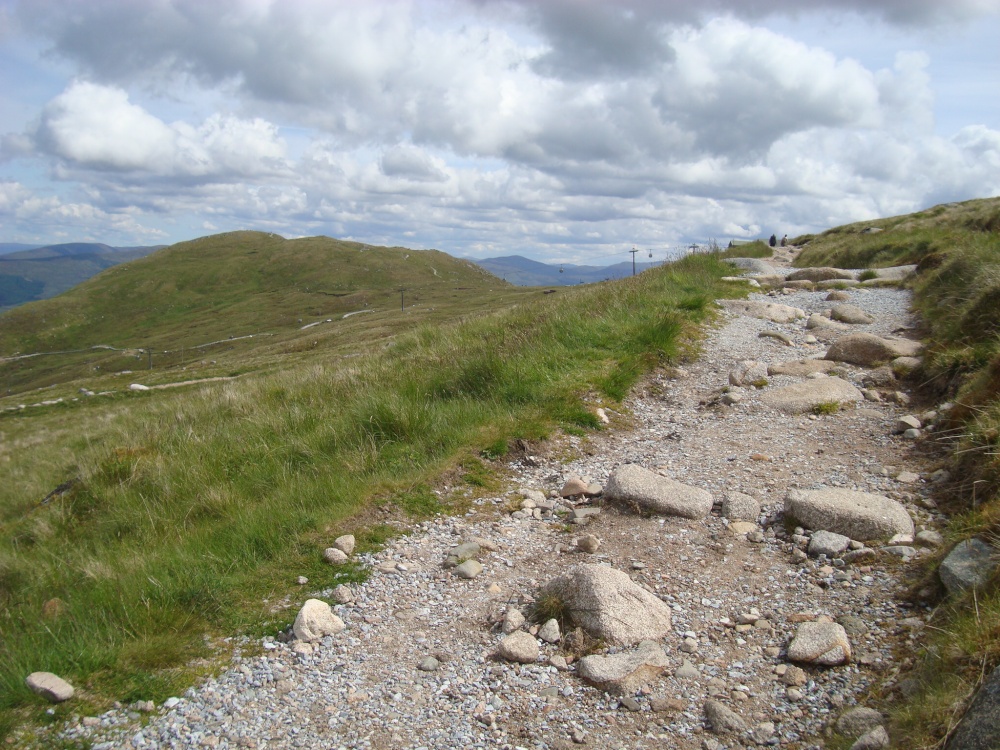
x=609 y=605
x=979 y=729
x=823 y=273
x=315 y=621
x=968 y=566
x=858 y=515
x=869 y=350
x=764 y=310
x=625 y=673
x=631 y=483
x=799 y=398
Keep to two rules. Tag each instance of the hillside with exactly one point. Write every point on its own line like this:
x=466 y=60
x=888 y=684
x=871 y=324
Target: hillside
x=34 y=273
x=231 y=287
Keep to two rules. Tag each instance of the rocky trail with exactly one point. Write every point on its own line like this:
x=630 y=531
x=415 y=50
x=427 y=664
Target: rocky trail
x=732 y=546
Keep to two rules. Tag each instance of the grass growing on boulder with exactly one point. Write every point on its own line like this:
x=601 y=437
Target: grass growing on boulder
x=194 y=512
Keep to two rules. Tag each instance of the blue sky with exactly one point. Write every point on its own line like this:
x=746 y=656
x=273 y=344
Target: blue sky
x=568 y=130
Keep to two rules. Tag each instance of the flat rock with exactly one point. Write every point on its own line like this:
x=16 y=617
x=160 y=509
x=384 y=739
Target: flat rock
x=459 y=554
x=816 y=321
x=631 y=483
x=979 y=729
x=800 y=368
x=624 y=673
x=763 y=310
x=316 y=620
x=858 y=515
x=968 y=566
x=51 y=687
x=820 y=273
x=869 y=350
x=800 y=398
x=609 y=605
x=824 y=643
x=519 y=647
x=827 y=543
x=894 y=273
x=852 y=314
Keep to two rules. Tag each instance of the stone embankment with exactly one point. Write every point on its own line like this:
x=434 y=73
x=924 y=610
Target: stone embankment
x=718 y=568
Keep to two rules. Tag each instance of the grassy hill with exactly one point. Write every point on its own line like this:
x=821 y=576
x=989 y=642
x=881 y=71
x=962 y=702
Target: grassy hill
x=226 y=289
x=28 y=274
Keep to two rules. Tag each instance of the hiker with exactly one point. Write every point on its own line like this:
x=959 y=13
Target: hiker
x=773 y=241
x=784 y=240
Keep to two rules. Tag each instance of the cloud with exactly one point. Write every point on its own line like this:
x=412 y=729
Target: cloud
x=96 y=127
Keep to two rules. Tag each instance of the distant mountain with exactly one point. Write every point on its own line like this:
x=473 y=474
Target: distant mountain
x=34 y=273
x=522 y=271
x=14 y=247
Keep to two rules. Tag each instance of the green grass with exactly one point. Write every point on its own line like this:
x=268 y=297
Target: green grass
x=197 y=508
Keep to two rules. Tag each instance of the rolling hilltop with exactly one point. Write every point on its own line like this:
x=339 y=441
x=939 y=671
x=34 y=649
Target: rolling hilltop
x=32 y=273
x=236 y=286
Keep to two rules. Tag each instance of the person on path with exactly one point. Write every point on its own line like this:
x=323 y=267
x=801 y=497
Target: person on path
x=773 y=241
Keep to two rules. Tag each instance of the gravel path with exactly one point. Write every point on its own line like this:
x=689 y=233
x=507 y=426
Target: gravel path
x=362 y=688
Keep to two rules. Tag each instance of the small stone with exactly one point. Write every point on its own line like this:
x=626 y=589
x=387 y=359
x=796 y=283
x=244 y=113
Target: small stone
x=903 y=424
x=578 y=736
x=723 y=720
x=823 y=643
x=301 y=580
x=687 y=671
x=461 y=553
x=345 y=544
x=689 y=646
x=512 y=620
x=588 y=543
x=343 y=594
x=519 y=647
x=795 y=676
x=794 y=694
x=468 y=569
x=51 y=687
x=827 y=543
x=429 y=664
x=549 y=632
x=907 y=477
x=630 y=703
x=874 y=740
x=929 y=538
x=315 y=621
x=334 y=556
x=573 y=487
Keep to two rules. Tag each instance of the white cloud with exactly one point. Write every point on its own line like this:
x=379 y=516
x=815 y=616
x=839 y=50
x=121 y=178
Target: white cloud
x=97 y=127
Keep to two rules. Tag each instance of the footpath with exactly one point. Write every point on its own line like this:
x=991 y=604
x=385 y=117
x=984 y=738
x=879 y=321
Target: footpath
x=722 y=566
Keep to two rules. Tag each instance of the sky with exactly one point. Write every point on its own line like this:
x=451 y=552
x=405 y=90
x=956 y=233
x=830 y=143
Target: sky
x=563 y=130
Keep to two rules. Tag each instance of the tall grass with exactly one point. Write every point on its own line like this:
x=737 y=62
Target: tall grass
x=193 y=511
